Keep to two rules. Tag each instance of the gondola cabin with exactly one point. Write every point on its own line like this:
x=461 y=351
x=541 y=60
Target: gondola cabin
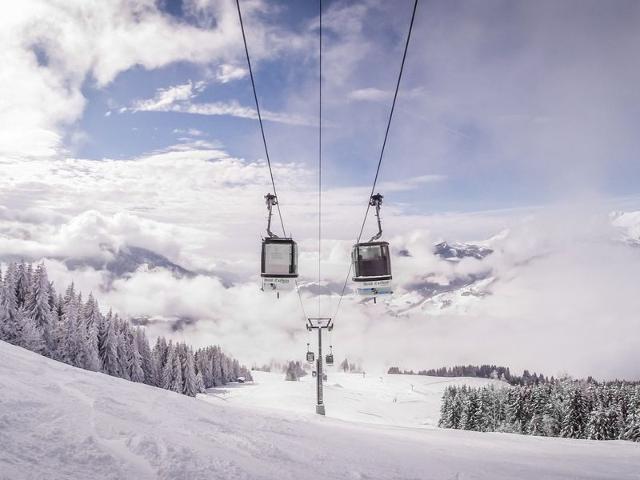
x=279 y=264
x=372 y=268
x=329 y=359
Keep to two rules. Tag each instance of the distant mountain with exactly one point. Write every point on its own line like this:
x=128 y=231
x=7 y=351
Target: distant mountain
x=118 y=262
x=128 y=259
x=457 y=251
x=628 y=223
x=325 y=288
x=176 y=323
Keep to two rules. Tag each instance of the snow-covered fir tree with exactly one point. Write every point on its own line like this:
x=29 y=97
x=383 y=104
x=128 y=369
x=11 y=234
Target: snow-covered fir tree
x=66 y=328
x=573 y=409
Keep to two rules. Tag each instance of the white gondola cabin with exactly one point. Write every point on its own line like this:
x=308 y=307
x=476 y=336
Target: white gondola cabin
x=279 y=264
x=311 y=357
x=279 y=258
x=372 y=261
x=372 y=268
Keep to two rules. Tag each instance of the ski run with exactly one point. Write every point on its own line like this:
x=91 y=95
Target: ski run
x=61 y=422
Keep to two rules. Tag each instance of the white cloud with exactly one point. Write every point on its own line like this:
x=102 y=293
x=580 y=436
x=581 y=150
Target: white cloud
x=553 y=306
x=369 y=94
x=227 y=73
x=45 y=74
x=165 y=98
x=191 y=132
x=179 y=99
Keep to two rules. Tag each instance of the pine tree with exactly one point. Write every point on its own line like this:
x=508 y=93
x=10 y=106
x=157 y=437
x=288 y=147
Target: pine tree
x=200 y=383
x=145 y=353
x=291 y=373
x=123 y=348
x=91 y=311
x=90 y=353
x=5 y=322
x=538 y=405
x=553 y=411
x=204 y=366
x=167 y=370
x=108 y=345
x=517 y=409
x=470 y=419
x=598 y=427
x=37 y=307
x=632 y=432
x=22 y=284
x=445 y=407
x=30 y=336
x=10 y=279
x=176 y=384
x=135 y=364
x=11 y=326
x=457 y=407
x=575 y=415
x=190 y=385
x=70 y=346
x=216 y=365
x=344 y=366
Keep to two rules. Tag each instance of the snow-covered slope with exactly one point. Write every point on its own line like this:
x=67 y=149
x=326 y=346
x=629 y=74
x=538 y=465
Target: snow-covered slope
x=58 y=422
x=400 y=400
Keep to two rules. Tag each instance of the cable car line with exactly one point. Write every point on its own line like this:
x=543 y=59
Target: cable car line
x=255 y=97
x=320 y=158
x=382 y=150
x=271 y=200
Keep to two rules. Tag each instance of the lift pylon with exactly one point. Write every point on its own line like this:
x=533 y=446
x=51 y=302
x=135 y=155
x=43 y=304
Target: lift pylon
x=319 y=323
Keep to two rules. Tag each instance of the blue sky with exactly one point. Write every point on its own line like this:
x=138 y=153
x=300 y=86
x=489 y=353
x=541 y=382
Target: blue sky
x=509 y=104
x=515 y=105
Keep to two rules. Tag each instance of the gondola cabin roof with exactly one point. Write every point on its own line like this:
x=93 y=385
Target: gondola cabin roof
x=371 y=244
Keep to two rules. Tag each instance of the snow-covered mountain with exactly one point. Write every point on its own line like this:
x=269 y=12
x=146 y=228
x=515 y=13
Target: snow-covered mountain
x=118 y=262
x=628 y=223
x=457 y=251
x=57 y=421
x=128 y=259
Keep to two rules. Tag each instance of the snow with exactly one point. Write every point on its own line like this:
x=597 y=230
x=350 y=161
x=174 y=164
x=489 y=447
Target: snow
x=57 y=421
x=376 y=399
x=628 y=223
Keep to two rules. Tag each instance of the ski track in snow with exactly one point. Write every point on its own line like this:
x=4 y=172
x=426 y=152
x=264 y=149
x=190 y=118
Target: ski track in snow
x=59 y=422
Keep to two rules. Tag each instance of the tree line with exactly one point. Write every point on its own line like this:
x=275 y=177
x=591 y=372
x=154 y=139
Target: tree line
x=479 y=371
x=571 y=409
x=74 y=331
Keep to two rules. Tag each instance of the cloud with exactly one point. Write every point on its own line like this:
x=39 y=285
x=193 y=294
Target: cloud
x=46 y=75
x=369 y=94
x=411 y=183
x=165 y=98
x=179 y=99
x=569 y=309
x=560 y=297
x=191 y=132
x=227 y=73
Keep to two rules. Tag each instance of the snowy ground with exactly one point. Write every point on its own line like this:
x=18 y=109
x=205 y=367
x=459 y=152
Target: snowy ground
x=60 y=422
x=400 y=400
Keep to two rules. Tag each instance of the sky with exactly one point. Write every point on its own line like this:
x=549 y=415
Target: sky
x=132 y=122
